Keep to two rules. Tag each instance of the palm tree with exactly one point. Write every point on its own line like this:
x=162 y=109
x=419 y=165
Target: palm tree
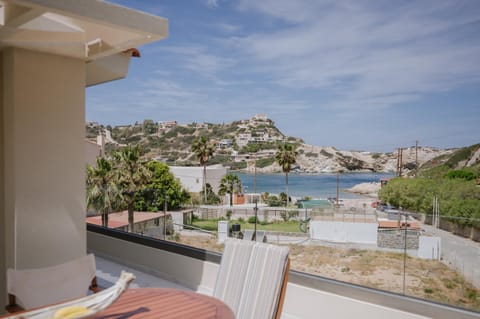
x=230 y=184
x=285 y=156
x=203 y=149
x=102 y=192
x=132 y=176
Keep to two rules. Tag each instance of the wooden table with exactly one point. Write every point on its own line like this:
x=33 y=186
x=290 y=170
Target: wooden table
x=160 y=303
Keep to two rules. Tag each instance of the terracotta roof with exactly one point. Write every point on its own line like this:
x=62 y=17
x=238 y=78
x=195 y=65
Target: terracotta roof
x=394 y=224
x=120 y=219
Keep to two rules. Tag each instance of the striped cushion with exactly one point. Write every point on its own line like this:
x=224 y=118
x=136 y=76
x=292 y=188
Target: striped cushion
x=250 y=278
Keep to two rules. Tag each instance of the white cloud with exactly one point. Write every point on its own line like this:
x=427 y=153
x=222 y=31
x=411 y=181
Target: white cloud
x=227 y=27
x=368 y=56
x=313 y=66
x=212 y=3
x=166 y=89
x=200 y=60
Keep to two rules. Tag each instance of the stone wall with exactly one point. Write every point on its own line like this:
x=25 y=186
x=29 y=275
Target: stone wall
x=396 y=239
x=465 y=231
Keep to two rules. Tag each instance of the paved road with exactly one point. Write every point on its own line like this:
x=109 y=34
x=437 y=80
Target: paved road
x=461 y=254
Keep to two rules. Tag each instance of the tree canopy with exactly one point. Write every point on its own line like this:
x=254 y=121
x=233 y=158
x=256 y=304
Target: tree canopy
x=230 y=184
x=203 y=149
x=286 y=156
x=103 y=194
x=459 y=198
x=128 y=181
x=161 y=186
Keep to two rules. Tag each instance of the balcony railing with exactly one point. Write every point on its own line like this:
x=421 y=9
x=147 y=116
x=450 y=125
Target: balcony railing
x=308 y=296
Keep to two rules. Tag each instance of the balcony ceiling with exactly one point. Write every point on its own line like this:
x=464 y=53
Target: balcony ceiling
x=86 y=29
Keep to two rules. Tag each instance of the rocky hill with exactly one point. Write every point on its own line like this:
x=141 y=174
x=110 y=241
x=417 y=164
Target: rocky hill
x=251 y=144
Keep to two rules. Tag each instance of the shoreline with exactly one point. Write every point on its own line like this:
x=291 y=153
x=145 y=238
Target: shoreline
x=259 y=172
x=314 y=186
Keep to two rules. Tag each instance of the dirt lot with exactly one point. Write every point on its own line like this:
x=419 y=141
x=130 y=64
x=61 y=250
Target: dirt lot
x=383 y=270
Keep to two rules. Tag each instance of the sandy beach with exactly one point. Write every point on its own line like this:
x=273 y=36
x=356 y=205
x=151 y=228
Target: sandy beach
x=366 y=189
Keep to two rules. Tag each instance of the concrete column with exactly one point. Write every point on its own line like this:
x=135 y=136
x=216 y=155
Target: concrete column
x=42 y=190
x=3 y=295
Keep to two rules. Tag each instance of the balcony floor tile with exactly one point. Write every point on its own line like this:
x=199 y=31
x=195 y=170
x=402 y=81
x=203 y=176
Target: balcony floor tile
x=109 y=271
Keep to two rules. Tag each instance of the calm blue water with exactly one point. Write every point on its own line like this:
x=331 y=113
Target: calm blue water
x=320 y=186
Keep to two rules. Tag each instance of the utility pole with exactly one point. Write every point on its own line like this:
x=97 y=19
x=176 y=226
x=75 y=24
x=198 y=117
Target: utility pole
x=165 y=217
x=256 y=217
x=255 y=173
x=405 y=255
x=416 y=158
x=399 y=161
x=338 y=177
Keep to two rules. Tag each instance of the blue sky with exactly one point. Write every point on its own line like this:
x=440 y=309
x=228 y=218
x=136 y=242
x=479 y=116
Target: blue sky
x=363 y=75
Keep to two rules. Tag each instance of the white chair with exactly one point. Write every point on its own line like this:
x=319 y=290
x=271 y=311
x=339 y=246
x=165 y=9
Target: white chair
x=261 y=236
x=252 y=279
x=247 y=234
x=32 y=288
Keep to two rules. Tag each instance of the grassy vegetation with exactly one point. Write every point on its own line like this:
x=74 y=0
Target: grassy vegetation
x=459 y=199
x=427 y=279
x=211 y=225
x=439 y=166
x=238 y=165
x=264 y=162
x=290 y=226
x=456 y=188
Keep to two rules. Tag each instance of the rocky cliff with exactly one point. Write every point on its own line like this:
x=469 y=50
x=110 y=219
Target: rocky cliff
x=318 y=159
x=239 y=143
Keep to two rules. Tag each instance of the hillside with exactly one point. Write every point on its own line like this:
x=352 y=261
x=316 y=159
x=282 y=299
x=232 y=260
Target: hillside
x=463 y=158
x=240 y=142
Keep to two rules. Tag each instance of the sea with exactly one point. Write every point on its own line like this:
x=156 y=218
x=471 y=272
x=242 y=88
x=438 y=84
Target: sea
x=315 y=186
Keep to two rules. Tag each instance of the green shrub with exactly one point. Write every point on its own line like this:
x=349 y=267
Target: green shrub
x=289 y=214
x=462 y=154
x=219 y=159
x=264 y=162
x=238 y=165
x=464 y=174
x=252 y=219
x=458 y=198
x=133 y=139
x=471 y=294
x=273 y=201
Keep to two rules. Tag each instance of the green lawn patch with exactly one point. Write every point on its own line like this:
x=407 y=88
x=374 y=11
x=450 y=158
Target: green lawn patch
x=290 y=226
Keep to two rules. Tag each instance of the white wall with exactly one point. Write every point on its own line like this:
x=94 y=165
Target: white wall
x=191 y=178
x=429 y=247
x=44 y=157
x=307 y=303
x=189 y=272
x=344 y=232
x=92 y=152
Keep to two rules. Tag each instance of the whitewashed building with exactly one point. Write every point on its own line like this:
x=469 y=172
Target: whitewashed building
x=191 y=177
